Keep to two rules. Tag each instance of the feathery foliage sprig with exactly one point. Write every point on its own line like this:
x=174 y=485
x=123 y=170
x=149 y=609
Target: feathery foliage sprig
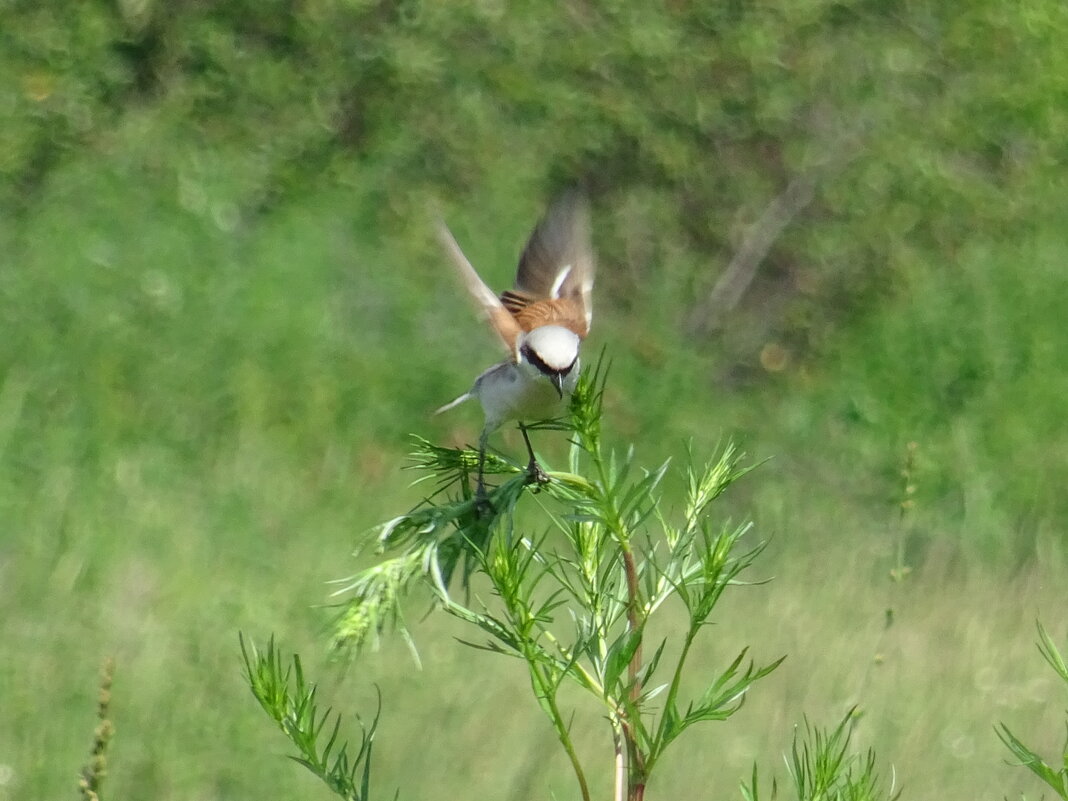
x=96 y=769
x=1055 y=777
x=823 y=769
x=580 y=600
x=612 y=558
x=291 y=701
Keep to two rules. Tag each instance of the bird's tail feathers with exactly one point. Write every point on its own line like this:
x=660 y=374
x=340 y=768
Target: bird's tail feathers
x=454 y=403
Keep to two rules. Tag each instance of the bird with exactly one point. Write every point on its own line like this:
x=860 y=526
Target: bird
x=541 y=322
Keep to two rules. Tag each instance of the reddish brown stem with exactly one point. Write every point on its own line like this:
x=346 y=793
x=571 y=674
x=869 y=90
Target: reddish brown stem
x=633 y=620
x=636 y=782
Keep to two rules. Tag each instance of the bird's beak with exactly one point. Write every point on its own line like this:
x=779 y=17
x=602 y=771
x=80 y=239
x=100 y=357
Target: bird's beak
x=558 y=382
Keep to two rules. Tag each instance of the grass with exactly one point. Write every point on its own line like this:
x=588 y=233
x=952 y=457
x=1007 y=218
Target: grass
x=200 y=417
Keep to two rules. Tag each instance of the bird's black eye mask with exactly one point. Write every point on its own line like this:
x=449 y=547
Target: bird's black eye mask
x=535 y=359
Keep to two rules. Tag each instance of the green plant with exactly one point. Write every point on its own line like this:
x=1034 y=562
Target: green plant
x=578 y=604
x=616 y=560
x=1056 y=778
x=822 y=769
x=96 y=768
x=291 y=701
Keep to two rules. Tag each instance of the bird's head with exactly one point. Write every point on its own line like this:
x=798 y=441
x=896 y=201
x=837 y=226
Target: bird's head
x=552 y=350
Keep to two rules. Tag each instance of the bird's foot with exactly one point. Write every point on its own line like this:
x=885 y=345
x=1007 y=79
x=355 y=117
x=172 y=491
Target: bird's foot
x=483 y=505
x=535 y=475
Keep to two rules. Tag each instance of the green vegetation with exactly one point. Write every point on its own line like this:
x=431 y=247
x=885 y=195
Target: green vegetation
x=582 y=606
x=821 y=766
x=224 y=313
x=290 y=700
x=583 y=611
x=1054 y=776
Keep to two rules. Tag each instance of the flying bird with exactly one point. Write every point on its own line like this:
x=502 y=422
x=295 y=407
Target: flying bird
x=541 y=322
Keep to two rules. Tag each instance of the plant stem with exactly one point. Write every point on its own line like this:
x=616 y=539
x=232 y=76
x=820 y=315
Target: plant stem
x=636 y=767
x=561 y=733
x=622 y=731
x=587 y=679
x=633 y=620
x=637 y=771
x=672 y=694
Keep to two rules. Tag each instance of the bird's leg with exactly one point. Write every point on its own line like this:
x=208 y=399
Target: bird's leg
x=482 y=501
x=535 y=475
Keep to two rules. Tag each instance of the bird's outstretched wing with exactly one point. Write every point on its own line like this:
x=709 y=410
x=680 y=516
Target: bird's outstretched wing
x=506 y=325
x=554 y=282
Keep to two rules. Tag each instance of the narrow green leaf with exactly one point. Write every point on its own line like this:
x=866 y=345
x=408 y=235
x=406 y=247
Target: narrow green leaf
x=1030 y=759
x=653 y=692
x=1050 y=653
x=649 y=668
x=620 y=653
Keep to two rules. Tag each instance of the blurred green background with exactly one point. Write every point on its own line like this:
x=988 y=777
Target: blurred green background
x=223 y=312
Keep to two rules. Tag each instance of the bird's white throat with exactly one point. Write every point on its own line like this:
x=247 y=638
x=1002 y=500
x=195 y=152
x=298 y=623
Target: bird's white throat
x=555 y=345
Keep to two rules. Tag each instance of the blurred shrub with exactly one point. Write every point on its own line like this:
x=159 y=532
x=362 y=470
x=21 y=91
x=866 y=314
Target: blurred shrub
x=939 y=115
x=183 y=187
